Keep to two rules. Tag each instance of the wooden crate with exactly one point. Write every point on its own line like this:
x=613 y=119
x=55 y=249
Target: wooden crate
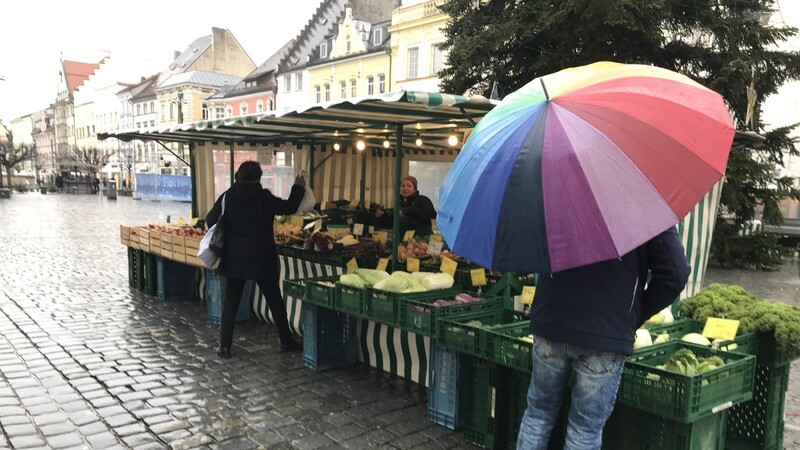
x=144 y=239
x=192 y=244
x=125 y=235
x=155 y=242
x=134 y=237
x=166 y=245
x=179 y=249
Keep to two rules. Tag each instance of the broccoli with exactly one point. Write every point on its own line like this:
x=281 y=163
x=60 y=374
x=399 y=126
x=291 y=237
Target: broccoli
x=733 y=302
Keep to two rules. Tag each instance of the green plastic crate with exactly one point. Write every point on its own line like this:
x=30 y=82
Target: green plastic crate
x=745 y=343
x=659 y=433
x=135 y=267
x=758 y=424
x=295 y=289
x=384 y=306
x=349 y=300
x=422 y=316
x=507 y=346
x=458 y=334
x=681 y=397
x=319 y=293
x=486 y=395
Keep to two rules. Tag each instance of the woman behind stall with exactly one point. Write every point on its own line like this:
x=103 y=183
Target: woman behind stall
x=416 y=210
x=249 y=249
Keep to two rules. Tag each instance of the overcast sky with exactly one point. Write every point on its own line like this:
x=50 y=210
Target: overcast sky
x=34 y=34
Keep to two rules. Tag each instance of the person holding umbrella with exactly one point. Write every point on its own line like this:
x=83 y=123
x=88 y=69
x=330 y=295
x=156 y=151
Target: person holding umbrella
x=583 y=322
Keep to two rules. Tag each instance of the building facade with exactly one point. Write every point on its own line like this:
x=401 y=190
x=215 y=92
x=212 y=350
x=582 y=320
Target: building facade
x=416 y=46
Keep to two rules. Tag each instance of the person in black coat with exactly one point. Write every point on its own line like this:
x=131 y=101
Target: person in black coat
x=416 y=210
x=249 y=249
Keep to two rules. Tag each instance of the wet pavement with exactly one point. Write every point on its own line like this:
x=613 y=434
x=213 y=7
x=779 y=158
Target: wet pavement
x=87 y=362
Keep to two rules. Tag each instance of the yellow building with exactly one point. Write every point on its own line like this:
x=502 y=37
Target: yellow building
x=416 y=42
x=352 y=63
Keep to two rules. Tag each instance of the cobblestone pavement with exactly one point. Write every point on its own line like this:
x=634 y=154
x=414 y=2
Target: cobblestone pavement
x=86 y=362
x=783 y=286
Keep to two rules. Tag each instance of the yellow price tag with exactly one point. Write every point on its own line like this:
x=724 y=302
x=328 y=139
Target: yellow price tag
x=412 y=264
x=448 y=266
x=181 y=221
x=409 y=234
x=478 y=277
x=435 y=238
x=352 y=265
x=193 y=222
x=296 y=220
x=380 y=236
x=354 y=202
x=527 y=294
x=721 y=328
x=433 y=225
x=383 y=263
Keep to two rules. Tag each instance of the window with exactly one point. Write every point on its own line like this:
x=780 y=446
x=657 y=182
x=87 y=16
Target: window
x=298 y=81
x=381 y=83
x=323 y=50
x=270 y=104
x=152 y=123
x=249 y=84
x=259 y=106
x=413 y=62
x=377 y=38
x=152 y=107
x=437 y=59
x=317 y=94
x=138 y=110
x=370 y=85
x=171 y=111
x=347 y=44
x=163 y=113
x=342 y=89
x=242 y=108
x=228 y=111
x=327 y=92
x=287 y=83
x=205 y=111
x=353 y=89
x=219 y=112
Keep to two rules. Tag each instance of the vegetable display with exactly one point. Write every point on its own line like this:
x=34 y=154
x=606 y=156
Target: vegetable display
x=733 y=302
x=685 y=362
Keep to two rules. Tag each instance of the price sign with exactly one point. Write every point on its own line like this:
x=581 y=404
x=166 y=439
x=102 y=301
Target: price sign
x=433 y=224
x=478 y=277
x=296 y=220
x=358 y=229
x=380 y=236
x=721 y=328
x=352 y=265
x=448 y=266
x=383 y=263
x=354 y=202
x=527 y=294
x=435 y=238
x=409 y=234
x=412 y=264
x=181 y=221
x=194 y=220
x=435 y=248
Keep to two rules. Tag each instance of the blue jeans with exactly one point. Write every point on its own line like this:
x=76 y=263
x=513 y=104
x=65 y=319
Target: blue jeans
x=597 y=376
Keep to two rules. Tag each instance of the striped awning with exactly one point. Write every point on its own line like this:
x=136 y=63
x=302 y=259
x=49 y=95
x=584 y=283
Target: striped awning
x=432 y=117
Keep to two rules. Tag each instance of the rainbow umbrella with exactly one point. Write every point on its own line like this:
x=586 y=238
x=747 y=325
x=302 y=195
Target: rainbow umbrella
x=582 y=166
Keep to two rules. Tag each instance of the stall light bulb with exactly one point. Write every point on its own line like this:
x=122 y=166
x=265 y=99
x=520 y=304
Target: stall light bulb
x=386 y=144
x=361 y=145
x=452 y=140
x=419 y=142
x=336 y=146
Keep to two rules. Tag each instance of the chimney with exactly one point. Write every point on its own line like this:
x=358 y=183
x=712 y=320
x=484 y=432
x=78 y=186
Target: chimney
x=175 y=54
x=219 y=49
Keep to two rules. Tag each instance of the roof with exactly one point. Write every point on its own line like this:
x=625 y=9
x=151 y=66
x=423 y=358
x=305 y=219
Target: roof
x=76 y=73
x=433 y=117
x=202 y=78
x=271 y=63
x=187 y=57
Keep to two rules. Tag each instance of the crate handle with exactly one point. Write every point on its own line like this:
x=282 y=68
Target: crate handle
x=722 y=407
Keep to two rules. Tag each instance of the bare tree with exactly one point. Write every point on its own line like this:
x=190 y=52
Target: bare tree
x=14 y=154
x=93 y=156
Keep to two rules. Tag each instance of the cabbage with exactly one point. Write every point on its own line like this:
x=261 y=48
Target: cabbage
x=696 y=338
x=643 y=339
x=352 y=280
x=371 y=276
x=661 y=317
x=400 y=281
x=439 y=281
x=661 y=338
x=421 y=275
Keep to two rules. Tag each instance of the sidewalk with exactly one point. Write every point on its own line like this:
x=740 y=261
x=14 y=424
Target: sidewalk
x=86 y=362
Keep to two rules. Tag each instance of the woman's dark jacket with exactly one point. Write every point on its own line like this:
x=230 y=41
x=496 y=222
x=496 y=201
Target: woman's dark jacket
x=418 y=211
x=249 y=249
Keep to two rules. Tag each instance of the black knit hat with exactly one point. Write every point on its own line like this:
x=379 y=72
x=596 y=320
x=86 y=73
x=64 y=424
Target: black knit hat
x=249 y=171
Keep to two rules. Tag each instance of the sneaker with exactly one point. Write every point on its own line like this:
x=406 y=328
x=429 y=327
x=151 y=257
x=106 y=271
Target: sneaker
x=224 y=352
x=291 y=346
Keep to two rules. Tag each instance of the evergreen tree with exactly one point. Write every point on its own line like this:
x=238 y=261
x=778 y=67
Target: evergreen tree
x=726 y=45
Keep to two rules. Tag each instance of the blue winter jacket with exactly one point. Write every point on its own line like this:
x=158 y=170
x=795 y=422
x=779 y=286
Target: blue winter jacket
x=601 y=305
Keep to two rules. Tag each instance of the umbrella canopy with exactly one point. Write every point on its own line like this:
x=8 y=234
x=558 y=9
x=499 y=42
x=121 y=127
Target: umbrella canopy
x=582 y=166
